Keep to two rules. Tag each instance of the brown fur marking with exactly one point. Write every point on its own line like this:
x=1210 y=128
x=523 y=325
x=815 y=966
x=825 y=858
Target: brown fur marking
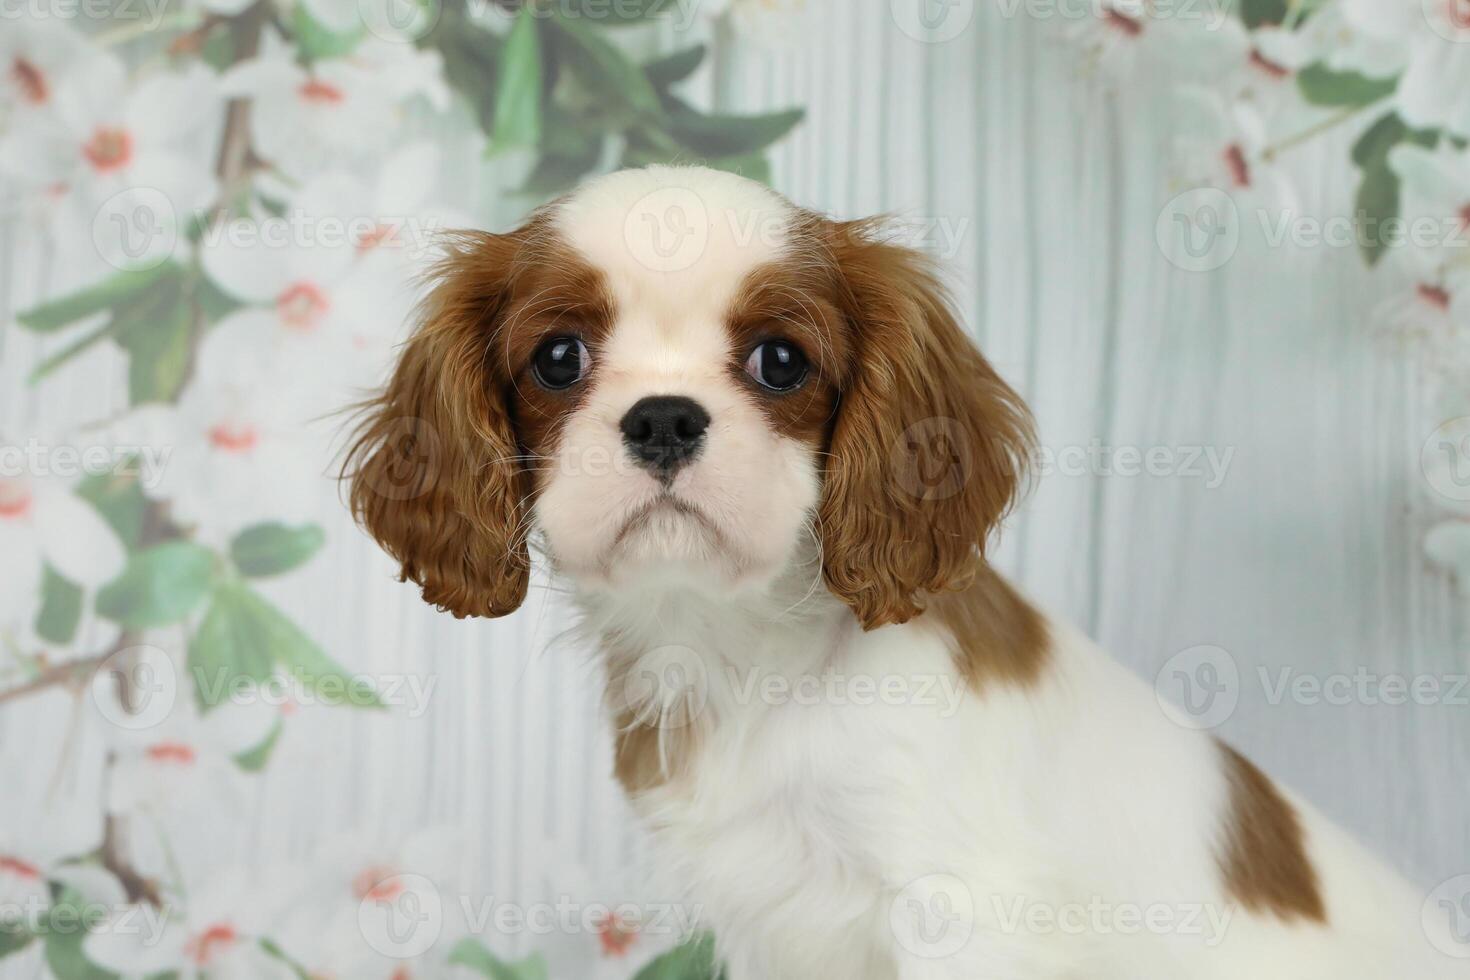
x=1265 y=862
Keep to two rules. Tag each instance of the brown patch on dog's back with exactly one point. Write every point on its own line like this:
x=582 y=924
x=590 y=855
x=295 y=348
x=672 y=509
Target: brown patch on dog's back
x=998 y=635
x=1265 y=861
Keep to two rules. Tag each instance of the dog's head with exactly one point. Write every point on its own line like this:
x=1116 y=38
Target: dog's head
x=675 y=374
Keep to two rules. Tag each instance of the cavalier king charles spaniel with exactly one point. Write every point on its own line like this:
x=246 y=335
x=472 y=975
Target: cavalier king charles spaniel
x=766 y=457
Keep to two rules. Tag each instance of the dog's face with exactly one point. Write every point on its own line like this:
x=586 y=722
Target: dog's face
x=674 y=376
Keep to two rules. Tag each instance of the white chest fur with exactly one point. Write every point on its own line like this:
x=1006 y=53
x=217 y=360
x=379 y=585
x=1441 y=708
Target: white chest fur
x=847 y=804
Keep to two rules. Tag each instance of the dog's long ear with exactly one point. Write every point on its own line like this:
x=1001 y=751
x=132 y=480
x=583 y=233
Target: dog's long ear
x=930 y=446
x=433 y=466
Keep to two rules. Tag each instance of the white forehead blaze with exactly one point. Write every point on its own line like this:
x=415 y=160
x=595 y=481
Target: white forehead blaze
x=675 y=244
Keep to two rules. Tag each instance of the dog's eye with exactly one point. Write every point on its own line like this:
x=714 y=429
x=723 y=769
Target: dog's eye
x=777 y=364
x=560 y=362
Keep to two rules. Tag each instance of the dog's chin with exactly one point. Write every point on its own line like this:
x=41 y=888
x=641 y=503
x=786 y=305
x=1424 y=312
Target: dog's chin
x=669 y=543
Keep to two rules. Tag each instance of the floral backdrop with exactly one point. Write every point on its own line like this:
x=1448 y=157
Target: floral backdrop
x=246 y=194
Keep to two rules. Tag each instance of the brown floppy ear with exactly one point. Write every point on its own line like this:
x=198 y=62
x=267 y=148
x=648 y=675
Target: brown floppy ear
x=433 y=465
x=930 y=446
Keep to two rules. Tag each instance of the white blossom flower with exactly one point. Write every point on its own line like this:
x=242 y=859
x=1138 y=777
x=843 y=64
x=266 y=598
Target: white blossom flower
x=43 y=522
x=1224 y=143
x=1430 y=43
x=1334 y=38
x=187 y=758
x=34 y=55
x=243 y=452
x=106 y=138
x=38 y=840
x=341 y=111
x=1124 y=39
x=215 y=934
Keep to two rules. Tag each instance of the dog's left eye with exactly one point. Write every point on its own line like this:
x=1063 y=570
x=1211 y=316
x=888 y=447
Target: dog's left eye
x=777 y=364
x=560 y=362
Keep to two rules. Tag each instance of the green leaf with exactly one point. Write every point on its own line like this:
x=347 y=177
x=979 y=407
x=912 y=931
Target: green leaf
x=270 y=549
x=1321 y=85
x=471 y=61
x=1378 y=195
x=64 y=946
x=729 y=136
x=1256 y=13
x=107 y=294
x=316 y=42
x=61 y=608
x=694 y=960
x=158 y=338
x=473 y=954
x=605 y=70
x=229 y=645
x=76 y=347
x=218 y=49
x=14 y=937
x=259 y=635
x=614 y=13
x=159 y=586
x=674 y=68
x=119 y=499
x=214 y=303
x=518 y=97
x=1373 y=147
x=255 y=759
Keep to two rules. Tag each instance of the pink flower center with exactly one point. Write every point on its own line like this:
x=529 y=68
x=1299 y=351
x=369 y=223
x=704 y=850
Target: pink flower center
x=302 y=306
x=1436 y=296
x=1465 y=217
x=321 y=93
x=1235 y=162
x=1268 y=66
x=378 y=883
x=20 y=869
x=204 y=947
x=15 y=500
x=615 y=935
x=172 y=753
x=234 y=437
x=31 y=81
x=374 y=237
x=109 y=149
x=1459 y=12
x=1122 y=23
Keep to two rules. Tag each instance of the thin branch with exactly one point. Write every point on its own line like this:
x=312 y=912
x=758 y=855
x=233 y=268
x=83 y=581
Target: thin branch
x=70 y=674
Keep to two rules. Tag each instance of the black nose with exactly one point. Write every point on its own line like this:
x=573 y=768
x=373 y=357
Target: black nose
x=664 y=431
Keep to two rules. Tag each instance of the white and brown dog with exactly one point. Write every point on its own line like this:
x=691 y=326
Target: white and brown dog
x=716 y=413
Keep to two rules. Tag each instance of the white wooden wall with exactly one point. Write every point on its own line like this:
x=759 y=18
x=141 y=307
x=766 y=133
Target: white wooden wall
x=1308 y=554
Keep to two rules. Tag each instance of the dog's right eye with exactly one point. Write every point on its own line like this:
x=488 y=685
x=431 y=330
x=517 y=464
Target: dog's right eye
x=560 y=362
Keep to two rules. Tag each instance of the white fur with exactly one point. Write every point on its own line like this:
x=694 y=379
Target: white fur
x=815 y=833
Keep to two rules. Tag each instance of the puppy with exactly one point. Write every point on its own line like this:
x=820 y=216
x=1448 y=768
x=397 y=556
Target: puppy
x=763 y=452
